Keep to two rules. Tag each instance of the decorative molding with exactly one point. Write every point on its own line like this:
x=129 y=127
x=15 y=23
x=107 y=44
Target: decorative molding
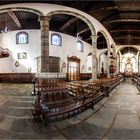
x=17 y=64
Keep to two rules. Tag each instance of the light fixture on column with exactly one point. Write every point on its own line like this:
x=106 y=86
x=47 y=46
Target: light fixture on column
x=78 y=34
x=129 y=43
x=129 y=49
x=6 y=29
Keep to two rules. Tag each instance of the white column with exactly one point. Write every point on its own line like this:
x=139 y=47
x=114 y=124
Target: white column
x=138 y=61
x=94 y=64
x=108 y=62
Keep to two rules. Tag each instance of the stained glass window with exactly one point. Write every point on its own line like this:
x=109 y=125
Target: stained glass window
x=80 y=46
x=56 y=39
x=22 y=38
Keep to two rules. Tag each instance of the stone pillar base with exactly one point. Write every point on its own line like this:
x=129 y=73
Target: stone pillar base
x=93 y=79
x=108 y=76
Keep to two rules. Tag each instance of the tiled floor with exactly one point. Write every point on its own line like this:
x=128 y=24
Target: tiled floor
x=116 y=117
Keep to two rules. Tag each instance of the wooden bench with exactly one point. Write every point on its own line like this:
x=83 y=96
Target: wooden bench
x=71 y=109
x=41 y=84
x=58 y=103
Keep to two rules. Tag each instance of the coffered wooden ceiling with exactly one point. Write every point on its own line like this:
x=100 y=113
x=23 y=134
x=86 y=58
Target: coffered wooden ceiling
x=120 y=18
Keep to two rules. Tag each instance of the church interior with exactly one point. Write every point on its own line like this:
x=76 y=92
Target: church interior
x=70 y=69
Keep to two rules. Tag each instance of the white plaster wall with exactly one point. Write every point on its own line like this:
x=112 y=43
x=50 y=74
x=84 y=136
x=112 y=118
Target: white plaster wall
x=68 y=48
x=8 y=40
x=33 y=49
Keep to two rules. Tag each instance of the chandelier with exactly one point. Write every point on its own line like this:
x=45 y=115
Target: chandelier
x=5 y=30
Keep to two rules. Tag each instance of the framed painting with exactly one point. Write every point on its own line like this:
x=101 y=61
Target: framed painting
x=22 y=55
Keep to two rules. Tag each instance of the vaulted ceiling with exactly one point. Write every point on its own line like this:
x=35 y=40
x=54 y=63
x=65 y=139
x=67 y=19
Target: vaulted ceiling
x=121 y=19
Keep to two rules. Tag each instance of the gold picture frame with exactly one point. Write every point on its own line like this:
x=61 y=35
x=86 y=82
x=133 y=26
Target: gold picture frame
x=22 y=55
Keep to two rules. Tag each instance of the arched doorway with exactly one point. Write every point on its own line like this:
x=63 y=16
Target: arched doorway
x=73 y=68
x=103 y=64
x=129 y=60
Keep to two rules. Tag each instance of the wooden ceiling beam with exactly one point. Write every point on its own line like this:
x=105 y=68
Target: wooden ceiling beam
x=15 y=19
x=106 y=8
x=123 y=20
x=83 y=31
x=126 y=30
x=126 y=37
x=109 y=16
x=68 y=23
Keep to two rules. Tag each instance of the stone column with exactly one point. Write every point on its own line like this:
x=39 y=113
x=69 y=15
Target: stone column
x=119 y=63
x=99 y=65
x=138 y=61
x=44 y=22
x=94 y=63
x=108 y=62
x=116 y=64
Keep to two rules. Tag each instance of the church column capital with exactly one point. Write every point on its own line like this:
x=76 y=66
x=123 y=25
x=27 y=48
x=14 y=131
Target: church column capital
x=44 y=18
x=94 y=38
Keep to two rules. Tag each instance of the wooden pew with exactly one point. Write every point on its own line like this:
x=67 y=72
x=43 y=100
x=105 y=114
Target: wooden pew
x=57 y=103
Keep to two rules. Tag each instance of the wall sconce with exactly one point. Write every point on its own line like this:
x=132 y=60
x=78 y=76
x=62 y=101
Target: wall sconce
x=16 y=63
x=89 y=68
x=83 y=67
x=64 y=65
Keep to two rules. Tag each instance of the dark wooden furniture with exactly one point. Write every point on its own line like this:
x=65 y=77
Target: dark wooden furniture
x=75 y=97
x=85 y=76
x=54 y=64
x=4 y=52
x=17 y=77
x=73 y=68
x=45 y=84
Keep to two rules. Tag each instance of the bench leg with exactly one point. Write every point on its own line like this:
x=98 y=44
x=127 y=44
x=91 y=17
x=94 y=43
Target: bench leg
x=107 y=94
x=92 y=106
x=45 y=118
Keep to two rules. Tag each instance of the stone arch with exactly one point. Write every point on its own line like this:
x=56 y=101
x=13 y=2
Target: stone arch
x=135 y=66
x=76 y=14
x=126 y=47
x=114 y=50
x=39 y=13
x=90 y=53
x=106 y=37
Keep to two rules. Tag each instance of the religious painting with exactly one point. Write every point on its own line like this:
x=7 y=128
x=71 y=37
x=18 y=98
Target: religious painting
x=22 y=55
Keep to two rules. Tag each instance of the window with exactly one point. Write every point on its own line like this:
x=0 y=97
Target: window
x=80 y=46
x=22 y=38
x=56 y=39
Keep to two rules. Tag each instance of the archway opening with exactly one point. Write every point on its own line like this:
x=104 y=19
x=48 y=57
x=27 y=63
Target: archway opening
x=101 y=41
x=129 y=61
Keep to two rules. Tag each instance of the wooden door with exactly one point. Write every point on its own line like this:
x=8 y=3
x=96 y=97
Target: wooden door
x=73 y=68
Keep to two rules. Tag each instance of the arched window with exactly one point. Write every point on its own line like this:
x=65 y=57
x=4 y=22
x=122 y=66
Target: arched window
x=80 y=46
x=89 y=62
x=22 y=38
x=56 y=39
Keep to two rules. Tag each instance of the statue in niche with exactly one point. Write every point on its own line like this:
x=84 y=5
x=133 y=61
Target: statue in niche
x=128 y=60
x=128 y=67
x=102 y=69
